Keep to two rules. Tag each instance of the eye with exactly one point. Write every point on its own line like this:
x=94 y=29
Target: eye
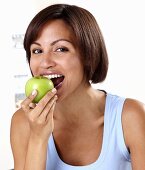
x=36 y=51
x=62 y=49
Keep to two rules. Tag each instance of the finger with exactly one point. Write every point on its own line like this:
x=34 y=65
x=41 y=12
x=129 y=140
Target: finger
x=48 y=107
x=25 y=104
x=51 y=113
x=37 y=111
x=32 y=105
x=43 y=102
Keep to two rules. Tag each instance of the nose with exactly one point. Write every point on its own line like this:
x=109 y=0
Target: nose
x=47 y=61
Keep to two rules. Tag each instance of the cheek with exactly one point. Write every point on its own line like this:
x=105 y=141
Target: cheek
x=75 y=68
x=33 y=67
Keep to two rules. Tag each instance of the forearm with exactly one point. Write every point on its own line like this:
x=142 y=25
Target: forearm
x=36 y=155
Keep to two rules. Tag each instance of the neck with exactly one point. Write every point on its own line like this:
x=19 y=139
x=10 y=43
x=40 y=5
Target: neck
x=84 y=105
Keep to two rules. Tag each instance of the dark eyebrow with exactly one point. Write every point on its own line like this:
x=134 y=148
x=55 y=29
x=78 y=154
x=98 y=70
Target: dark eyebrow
x=54 y=42
x=35 y=43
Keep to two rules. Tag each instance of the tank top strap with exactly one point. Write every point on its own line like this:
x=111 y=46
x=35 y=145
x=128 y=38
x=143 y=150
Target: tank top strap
x=115 y=109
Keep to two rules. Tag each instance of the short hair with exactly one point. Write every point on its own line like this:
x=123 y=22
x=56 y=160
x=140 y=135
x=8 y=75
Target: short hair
x=86 y=31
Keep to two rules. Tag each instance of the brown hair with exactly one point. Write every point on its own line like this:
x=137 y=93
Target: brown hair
x=87 y=33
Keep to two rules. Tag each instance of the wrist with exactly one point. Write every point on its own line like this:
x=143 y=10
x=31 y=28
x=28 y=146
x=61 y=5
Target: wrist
x=35 y=139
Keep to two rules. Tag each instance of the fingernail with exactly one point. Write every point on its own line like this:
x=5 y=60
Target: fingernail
x=53 y=90
x=34 y=92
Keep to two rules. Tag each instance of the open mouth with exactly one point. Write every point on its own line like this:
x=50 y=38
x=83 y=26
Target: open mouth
x=57 y=79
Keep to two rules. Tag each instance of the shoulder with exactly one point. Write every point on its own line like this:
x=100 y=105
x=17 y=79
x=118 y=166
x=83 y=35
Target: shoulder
x=19 y=127
x=133 y=120
x=19 y=120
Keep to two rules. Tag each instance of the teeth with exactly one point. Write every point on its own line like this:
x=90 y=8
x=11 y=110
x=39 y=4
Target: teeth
x=53 y=76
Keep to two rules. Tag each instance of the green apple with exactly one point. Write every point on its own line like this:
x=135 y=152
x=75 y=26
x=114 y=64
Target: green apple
x=41 y=84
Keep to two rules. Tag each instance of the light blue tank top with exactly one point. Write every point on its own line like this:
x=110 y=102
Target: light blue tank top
x=114 y=154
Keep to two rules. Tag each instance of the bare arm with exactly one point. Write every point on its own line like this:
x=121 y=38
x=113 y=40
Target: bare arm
x=134 y=131
x=19 y=136
x=30 y=130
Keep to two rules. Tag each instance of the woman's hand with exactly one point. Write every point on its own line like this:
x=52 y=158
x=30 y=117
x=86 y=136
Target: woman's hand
x=40 y=116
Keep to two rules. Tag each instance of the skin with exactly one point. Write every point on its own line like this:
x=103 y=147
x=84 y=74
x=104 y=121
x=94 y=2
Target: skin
x=62 y=112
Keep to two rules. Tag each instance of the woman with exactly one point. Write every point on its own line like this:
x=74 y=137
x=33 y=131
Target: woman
x=74 y=127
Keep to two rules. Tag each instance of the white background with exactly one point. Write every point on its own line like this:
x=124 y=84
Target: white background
x=123 y=26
